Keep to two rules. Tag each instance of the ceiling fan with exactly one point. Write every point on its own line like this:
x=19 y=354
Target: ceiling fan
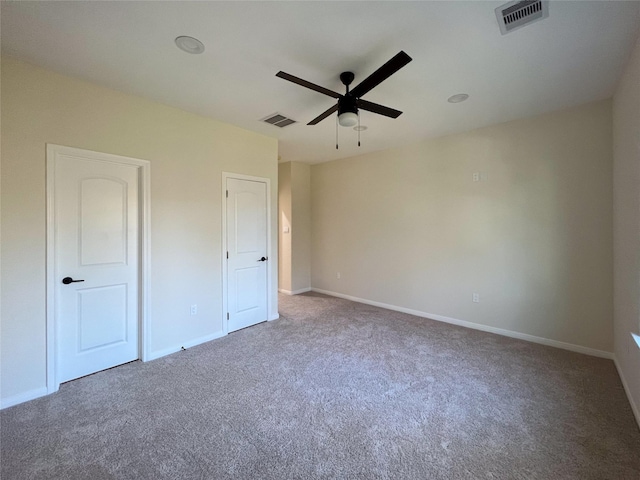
x=349 y=103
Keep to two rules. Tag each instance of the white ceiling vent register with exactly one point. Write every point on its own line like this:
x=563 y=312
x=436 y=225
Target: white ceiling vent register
x=278 y=120
x=514 y=15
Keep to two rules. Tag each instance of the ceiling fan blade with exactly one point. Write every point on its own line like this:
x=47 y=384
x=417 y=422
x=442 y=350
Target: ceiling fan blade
x=380 y=75
x=310 y=85
x=324 y=115
x=379 y=109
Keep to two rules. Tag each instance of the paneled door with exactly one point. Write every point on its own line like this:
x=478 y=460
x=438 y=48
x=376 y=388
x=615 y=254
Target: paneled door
x=247 y=253
x=96 y=263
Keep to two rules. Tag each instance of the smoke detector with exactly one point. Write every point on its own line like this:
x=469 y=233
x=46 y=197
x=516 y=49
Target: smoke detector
x=514 y=15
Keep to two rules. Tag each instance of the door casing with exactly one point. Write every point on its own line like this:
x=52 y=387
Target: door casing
x=223 y=254
x=144 y=205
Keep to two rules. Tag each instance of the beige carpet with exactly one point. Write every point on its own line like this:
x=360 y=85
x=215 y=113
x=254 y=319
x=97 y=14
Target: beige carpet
x=334 y=389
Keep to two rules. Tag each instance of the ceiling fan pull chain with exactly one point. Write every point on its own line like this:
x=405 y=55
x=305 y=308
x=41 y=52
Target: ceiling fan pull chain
x=336 y=132
x=358 y=128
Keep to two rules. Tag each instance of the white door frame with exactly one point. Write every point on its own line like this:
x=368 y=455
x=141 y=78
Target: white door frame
x=144 y=205
x=223 y=254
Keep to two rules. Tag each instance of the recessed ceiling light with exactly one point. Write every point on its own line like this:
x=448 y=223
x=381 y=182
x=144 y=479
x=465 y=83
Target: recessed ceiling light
x=360 y=128
x=457 y=98
x=190 y=44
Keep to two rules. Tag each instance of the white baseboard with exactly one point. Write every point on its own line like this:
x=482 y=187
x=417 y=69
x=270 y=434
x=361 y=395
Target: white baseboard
x=477 y=326
x=41 y=392
x=191 y=343
x=294 y=292
x=23 y=397
x=634 y=407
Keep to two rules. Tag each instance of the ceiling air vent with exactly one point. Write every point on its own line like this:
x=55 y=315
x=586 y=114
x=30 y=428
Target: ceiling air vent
x=278 y=120
x=517 y=14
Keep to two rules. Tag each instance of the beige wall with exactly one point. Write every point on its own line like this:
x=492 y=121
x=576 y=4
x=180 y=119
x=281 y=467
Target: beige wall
x=301 y=213
x=626 y=225
x=284 y=235
x=409 y=228
x=188 y=154
x=294 y=199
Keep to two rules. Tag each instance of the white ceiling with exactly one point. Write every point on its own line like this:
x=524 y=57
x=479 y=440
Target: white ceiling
x=573 y=57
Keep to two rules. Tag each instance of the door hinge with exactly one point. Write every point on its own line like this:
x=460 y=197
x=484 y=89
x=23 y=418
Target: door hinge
x=227 y=193
x=227 y=255
x=227 y=315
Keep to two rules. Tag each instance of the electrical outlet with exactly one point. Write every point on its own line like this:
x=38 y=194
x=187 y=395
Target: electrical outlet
x=194 y=309
x=475 y=298
x=476 y=176
x=338 y=275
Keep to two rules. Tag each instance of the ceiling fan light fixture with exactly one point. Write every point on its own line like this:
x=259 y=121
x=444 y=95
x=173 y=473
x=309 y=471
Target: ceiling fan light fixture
x=189 y=44
x=348 y=119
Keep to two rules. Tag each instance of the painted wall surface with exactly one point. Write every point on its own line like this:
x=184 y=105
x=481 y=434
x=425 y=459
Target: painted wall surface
x=301 y=212
x=188 y=154
x=284 y=235
x=626 y=225
x=294 y=197
x=411 y=228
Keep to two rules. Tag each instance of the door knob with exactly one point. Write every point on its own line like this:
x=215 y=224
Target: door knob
x=68 y=280
x=263 y=259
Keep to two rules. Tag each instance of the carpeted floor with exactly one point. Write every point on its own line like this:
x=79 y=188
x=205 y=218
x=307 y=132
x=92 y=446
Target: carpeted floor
x=334 y=389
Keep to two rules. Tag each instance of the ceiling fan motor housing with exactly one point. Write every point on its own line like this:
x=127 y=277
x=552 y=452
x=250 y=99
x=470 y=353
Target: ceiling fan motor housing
x=347 y=104
x=347 y=111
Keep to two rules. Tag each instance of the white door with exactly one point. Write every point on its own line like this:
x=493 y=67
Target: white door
x=247 y=253
x=96 y=268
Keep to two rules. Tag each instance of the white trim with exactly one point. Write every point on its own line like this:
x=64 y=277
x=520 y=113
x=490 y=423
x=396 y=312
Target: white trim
x=223 y=254
x=52 y=385
x=24 y=397
x=273 y=317
x=295 y=292
x=145 y=261
x=144 y=179
x=627 y=390
x=191 y=343
x=477 y=326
